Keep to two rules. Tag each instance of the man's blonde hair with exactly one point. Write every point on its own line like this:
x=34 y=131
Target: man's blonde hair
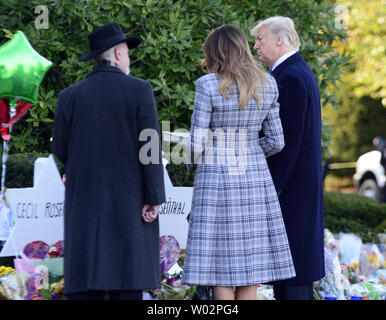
x=280 y=26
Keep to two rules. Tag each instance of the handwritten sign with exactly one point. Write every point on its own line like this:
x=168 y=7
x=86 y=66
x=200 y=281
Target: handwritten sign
x=38 y=211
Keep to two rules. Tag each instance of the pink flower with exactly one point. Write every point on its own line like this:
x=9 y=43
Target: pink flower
x=177 y=283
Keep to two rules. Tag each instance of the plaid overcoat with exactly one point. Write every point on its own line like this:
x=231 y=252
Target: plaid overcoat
x=236 y=231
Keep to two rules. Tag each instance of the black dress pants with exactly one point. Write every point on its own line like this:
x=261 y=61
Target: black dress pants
x=295 y=292
x=99 y=295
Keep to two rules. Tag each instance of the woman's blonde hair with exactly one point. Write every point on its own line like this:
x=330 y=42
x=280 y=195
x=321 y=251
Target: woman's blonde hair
x=227 y=54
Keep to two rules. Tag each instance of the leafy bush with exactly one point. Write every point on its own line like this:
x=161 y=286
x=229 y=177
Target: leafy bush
x=20 y=169
x=355 y=123
x=180 y=176
x=172 y=32
x=350 y=213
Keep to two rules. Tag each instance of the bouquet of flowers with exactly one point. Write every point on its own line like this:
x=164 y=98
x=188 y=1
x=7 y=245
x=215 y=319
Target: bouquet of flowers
x=264 y=292
x=335 y=283
x=54 y=290
x=6 y=270
x=368 y=291
x=370 y=260
x=39 y=276
x=351 y=272
x=12 y=285
x=171 y=287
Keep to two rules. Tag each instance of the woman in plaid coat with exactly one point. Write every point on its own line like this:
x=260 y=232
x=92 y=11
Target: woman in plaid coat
x=236 y=236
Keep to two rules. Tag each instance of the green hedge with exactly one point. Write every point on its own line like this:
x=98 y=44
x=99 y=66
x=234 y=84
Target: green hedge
x=180 y=176
x=20 y=169
x=350 y=213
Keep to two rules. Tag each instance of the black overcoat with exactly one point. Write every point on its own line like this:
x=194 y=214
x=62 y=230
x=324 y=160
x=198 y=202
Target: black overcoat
x=96 y=136
x=297 y=169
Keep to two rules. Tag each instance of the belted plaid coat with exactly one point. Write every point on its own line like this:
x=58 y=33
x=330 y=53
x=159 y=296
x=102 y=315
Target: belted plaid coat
x=236 y=231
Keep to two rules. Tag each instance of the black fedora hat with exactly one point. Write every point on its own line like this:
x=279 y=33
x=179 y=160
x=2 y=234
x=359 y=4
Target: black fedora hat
x=106 y=37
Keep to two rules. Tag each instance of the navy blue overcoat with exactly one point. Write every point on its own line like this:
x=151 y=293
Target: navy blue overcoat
x=297 y=169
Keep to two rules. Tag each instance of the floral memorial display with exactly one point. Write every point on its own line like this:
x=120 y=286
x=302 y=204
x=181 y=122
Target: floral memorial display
x=354 y=271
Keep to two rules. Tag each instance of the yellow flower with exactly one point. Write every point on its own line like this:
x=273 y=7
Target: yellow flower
x=58 y=287
x=6 y=270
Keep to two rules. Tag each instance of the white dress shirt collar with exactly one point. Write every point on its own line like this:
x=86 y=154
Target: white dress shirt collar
x=282 y=59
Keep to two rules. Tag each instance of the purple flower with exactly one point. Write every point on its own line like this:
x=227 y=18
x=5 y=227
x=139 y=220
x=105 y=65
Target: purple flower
x=170 y=280
x=31 y=284
x=163 y=267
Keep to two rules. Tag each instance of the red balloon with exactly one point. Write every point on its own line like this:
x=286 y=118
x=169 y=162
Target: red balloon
x=36 y=249
x=5 y=120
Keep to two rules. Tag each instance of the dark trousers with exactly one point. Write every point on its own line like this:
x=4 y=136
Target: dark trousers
x=296 y=292
x=99 y=295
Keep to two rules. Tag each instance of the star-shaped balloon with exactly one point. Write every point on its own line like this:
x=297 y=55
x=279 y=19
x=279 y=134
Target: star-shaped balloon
x=22 y=69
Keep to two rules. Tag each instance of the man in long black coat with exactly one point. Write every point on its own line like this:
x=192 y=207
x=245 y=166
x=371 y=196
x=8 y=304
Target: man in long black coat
x=112 y=194
x=297 y=169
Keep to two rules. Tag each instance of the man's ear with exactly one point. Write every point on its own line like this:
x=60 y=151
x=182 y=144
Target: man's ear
x=280 y=41
x=117 y=53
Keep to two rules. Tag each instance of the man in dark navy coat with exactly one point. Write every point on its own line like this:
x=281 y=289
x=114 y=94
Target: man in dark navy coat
x=111 y=230
x=297 y=169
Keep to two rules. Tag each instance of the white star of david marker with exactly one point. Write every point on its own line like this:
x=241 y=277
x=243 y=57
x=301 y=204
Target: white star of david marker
x=38 y=211
x=173 y=213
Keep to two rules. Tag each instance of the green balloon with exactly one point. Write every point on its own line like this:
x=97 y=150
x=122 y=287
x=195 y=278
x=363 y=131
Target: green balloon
x=22 y=69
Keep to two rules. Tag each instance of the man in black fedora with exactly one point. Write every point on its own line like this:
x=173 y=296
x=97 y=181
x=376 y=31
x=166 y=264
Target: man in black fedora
x=111 y=230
